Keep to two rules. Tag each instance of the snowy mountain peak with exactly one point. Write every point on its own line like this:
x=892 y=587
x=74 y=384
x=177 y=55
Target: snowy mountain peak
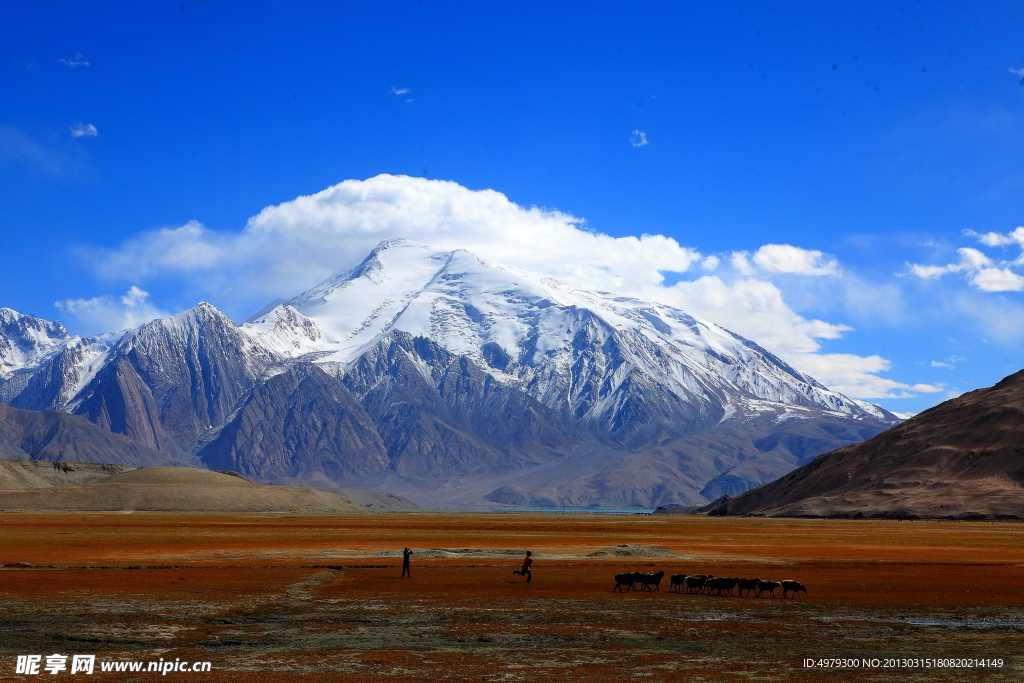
x=556 y=340
x=285 y=331
x=26 y=340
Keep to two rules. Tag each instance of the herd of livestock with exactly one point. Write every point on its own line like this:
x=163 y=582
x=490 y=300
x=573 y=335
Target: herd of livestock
x=707 y=584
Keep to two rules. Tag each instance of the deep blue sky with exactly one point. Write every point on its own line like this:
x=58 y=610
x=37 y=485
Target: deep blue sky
x=874 y=132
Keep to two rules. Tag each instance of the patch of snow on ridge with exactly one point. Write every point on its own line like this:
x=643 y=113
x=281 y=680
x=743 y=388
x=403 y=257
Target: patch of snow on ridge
x=876 y=412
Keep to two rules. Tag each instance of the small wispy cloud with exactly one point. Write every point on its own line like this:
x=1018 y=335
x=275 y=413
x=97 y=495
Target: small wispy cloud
x=999 y=239
x=84 y=130
x=785 y=258
x=104 y=313
x=410 y=100
x=638 y=138
x=985 y=273
x=1018 y=72
x=400 y=91
x=76 y=62
x=19 y=148
x=941 y=364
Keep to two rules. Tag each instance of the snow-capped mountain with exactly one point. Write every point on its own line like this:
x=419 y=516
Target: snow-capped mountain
x=442 y=376
x=566 y=347
x=42 y=364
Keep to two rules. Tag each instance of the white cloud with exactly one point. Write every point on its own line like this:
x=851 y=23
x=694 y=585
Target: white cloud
x=753 y=308
x=970 y=259
x=857 y=376
x=982 y=271
x=74 y=63
x=928 y=272
x=998 y=280
x=189 y=248
x=105 y=314
x=710 y=262
x=998 y=239
x=785 y=258
x=949 y=363
x=290 y=247
x=84 y=130
x=638 y=138
x=400 y=91
x=741 y=262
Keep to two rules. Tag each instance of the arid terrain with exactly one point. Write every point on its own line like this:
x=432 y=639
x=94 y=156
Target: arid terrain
x=961 y=460
x=302 y=597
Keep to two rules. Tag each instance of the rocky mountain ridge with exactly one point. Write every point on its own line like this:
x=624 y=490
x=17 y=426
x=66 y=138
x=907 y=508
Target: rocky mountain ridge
x=453 y=381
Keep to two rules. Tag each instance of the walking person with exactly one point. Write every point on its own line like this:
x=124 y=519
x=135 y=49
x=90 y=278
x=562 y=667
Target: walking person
x=405 y=563
x=526 y=570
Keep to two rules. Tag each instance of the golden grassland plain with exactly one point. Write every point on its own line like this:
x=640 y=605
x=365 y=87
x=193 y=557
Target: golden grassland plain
x=297 y=597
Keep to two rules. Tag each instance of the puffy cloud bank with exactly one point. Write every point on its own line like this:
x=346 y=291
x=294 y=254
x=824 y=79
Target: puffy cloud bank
x=290 y=247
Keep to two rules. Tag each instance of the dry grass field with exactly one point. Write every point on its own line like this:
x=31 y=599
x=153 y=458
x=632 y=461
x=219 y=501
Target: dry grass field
x=290 y=597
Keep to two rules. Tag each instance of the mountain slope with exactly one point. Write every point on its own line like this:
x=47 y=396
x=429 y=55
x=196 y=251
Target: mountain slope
x=170 y=381
x=963 y=458
x=50 y=435
x=300 y=424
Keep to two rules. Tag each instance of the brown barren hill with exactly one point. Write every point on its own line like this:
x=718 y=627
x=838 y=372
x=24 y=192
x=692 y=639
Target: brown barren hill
x=176 y=489
x=962 y=459
x=37 y=474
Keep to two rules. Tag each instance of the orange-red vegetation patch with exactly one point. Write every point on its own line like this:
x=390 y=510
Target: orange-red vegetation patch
x=319 y=597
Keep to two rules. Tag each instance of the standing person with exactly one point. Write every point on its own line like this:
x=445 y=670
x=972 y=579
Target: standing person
x=526 y=570
x=405 y=562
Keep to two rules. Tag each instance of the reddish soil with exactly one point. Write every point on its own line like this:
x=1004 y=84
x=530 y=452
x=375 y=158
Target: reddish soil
x=277 y=597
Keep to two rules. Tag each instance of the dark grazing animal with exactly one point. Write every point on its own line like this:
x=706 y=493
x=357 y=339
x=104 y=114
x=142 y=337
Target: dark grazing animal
x=748 y=585
x=767 y=587
x=696 y=583
x=794 y=587
x=677 y=582
x=721 y=585
x=627 y=579
x=648 y=579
